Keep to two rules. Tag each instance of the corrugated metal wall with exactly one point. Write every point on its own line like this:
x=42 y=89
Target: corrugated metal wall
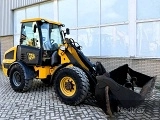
x=21 y=3
x=6 y=13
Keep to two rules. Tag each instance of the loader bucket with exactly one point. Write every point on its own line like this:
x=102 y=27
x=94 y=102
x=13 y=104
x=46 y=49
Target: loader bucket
x=121 y=84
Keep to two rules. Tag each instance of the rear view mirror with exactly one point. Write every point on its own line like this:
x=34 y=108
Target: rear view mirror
x=34 y=29
x=67 y=31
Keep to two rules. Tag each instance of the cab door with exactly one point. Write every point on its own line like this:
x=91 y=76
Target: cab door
x=29 y=50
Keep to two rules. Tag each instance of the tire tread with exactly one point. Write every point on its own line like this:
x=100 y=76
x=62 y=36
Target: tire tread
x=84 y=88
x=27 y=83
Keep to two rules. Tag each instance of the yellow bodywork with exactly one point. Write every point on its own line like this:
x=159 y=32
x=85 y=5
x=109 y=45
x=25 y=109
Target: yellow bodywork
x=39 y=19
x=65 y=59
x=44 y=71
x=8 y=61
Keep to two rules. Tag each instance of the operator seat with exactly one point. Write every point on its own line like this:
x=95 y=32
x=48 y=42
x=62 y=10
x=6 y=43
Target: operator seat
x=51 y=55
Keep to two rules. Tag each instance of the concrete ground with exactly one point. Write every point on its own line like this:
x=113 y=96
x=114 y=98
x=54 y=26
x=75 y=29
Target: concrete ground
x=41 y=103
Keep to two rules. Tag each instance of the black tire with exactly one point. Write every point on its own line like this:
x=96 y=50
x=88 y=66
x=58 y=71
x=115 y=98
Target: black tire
x=17 y=79
x=79 y=82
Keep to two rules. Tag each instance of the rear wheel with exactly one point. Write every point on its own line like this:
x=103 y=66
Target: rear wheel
x=71 y=85
x=17 y=79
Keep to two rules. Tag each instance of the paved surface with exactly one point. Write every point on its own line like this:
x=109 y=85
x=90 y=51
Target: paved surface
x=42 y=104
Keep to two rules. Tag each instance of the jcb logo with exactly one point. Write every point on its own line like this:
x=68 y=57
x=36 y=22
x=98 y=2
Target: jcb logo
x=31 y=56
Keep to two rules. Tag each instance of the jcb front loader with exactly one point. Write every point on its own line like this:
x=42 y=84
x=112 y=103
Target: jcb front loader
x=45 y=53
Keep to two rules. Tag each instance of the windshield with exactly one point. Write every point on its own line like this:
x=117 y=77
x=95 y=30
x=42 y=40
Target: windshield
x=51 y=36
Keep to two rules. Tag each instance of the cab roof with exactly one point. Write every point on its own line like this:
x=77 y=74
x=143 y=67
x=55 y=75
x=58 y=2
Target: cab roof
x=39 y=19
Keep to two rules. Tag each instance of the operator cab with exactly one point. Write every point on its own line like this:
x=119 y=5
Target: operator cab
x=40 y=37
x=41 y=34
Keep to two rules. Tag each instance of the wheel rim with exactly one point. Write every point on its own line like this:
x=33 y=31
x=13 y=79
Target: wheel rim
x=67 y=86
x=16 y=78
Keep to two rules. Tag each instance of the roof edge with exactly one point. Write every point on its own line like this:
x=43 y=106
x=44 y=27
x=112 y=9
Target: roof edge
x=39 y=19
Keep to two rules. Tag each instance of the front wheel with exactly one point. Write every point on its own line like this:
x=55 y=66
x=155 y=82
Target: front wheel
x=17 y=79
x=71 y=85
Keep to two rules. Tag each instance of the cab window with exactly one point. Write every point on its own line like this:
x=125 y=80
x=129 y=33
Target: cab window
x=51 y=36
x=55 y=35
x=30 y=35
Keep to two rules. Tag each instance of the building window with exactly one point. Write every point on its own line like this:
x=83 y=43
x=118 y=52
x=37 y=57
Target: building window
x=148 y=9
x=88 y=13
x=91 y=25
x=148 y=39
x=113 y=11
x=148 y=28
x=73 y=35
x=115 y=41
x=32 y=12
x=89 y=40
x=18 y=16
x=47 y=10
x=68 y=12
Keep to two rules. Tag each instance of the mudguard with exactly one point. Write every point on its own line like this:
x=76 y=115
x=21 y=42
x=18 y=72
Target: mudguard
x=29 y=73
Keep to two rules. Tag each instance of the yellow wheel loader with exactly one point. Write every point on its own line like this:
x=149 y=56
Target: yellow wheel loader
x=45 y=53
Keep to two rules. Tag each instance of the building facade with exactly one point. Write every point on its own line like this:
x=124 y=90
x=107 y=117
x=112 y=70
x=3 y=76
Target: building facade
x=114 y=32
